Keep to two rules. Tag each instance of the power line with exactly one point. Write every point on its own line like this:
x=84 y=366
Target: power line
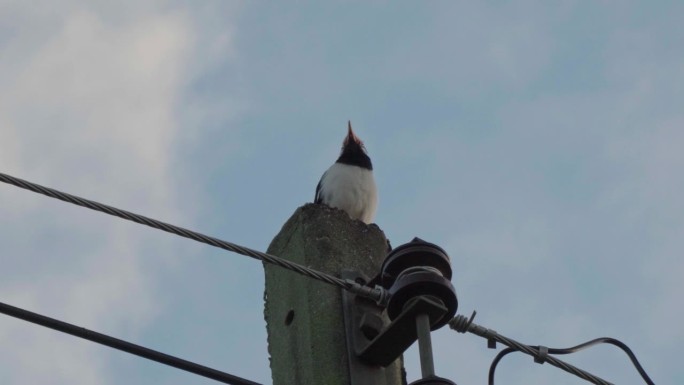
x=574 y=349
x=377 y=294
x=122 y=345
x=462 y=324
x=541 y=353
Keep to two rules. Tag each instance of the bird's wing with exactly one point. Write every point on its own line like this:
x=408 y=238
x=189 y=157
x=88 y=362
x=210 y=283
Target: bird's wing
x=319 y=199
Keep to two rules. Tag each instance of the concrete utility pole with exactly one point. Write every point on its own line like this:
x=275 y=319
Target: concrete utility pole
x=305 y=321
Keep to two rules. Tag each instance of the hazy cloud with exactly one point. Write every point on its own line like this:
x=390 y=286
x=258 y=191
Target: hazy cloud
x=88 y=105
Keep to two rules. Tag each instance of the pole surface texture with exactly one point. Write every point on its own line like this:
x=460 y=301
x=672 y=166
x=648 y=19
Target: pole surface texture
x=304 y=318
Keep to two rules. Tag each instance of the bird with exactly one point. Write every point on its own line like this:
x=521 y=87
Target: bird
x=349 y=183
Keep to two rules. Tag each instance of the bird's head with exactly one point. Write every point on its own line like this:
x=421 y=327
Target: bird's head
x=353 y=151
x=351 y=141
x=351 y=137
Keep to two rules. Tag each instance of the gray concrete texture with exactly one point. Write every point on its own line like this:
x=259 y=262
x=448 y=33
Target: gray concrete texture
x=306 y=335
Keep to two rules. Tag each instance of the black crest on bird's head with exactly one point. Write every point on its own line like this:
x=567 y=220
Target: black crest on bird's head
x=353 y=151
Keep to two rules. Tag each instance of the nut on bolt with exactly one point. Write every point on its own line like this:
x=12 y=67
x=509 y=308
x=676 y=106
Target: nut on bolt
x=371 y=325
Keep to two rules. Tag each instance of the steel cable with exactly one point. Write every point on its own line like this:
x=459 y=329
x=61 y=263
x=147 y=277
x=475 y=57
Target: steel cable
x=541 y=353
x=577 y=348
x=462 y=325
x=377 y=294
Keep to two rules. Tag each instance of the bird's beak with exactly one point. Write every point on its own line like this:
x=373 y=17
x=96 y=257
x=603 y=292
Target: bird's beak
x=350 y=134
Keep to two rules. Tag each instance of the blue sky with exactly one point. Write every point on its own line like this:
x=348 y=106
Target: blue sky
x=539 y=143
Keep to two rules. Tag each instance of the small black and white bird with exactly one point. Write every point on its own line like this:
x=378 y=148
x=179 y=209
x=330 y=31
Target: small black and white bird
x=349 y=184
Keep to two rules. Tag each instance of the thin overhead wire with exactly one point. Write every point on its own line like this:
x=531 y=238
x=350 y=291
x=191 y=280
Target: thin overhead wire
x=377 y=294
x=609 y=341
x=577 y=348
x=541 y=353
x=495 y=362
x=122 y=345
x=461 y=324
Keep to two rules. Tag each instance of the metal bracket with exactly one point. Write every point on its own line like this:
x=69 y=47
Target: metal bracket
x=363 y=321
x=371 y=338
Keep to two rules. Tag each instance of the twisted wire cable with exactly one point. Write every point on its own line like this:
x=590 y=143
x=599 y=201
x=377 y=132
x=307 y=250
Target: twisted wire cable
x=377 y=294
x=577 y=348
x=610 y=341
x=462 y=325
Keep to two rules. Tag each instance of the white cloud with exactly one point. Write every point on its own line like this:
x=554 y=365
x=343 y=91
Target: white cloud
x=88 y=105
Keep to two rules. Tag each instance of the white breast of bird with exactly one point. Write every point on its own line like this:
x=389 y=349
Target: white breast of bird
x=352 y=189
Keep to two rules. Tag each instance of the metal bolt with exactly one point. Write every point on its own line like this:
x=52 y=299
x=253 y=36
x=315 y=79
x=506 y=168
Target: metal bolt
x=427 y=364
